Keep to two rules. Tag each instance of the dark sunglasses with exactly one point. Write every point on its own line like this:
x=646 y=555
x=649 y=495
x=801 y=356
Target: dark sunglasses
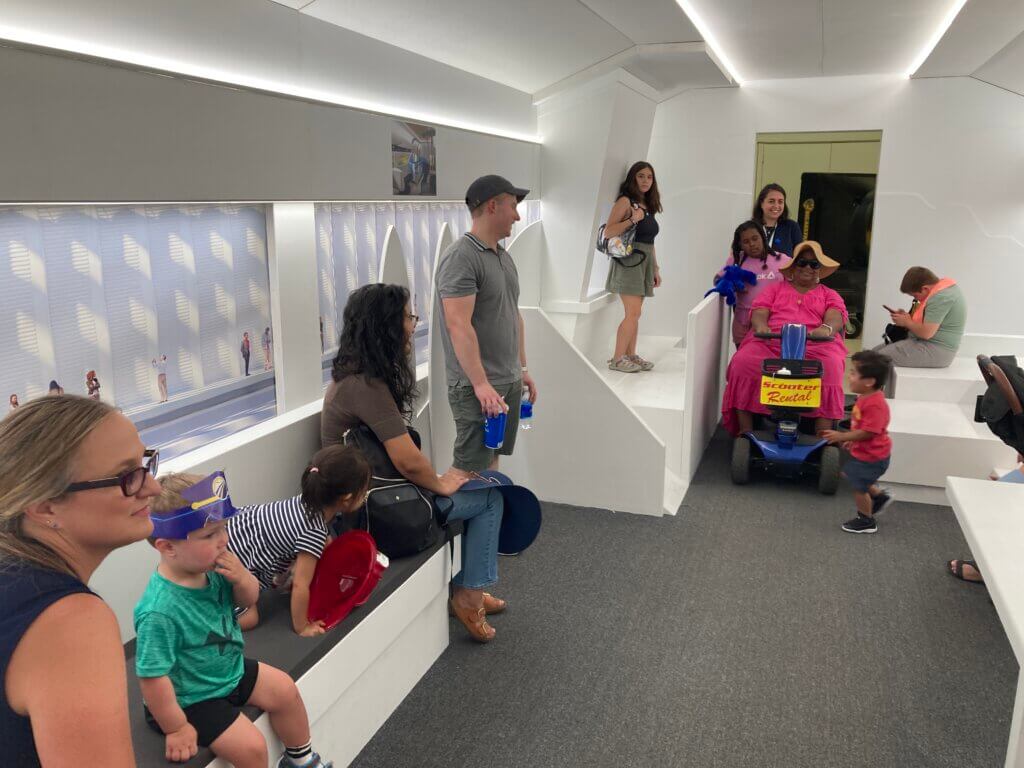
x=131 y=480
x=807 y=263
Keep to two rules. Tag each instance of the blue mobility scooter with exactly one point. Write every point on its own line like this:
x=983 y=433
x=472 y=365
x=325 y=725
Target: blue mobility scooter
x=790 y=386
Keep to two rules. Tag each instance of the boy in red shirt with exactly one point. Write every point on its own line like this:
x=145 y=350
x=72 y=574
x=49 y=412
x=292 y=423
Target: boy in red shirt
x=868 y=440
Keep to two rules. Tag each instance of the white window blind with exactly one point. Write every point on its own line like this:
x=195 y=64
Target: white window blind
x=109 y=288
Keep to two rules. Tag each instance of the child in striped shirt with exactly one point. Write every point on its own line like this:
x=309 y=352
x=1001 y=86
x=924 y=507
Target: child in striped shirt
x=277 y=536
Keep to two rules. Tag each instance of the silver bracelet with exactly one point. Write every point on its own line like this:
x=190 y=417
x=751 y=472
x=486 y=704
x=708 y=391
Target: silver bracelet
x=831 y=330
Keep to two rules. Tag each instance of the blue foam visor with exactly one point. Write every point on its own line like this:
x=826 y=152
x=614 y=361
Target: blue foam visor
x=210 y=504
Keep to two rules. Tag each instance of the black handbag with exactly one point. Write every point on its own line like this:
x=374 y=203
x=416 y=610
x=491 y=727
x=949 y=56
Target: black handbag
x=894 y=333
x=398 y=514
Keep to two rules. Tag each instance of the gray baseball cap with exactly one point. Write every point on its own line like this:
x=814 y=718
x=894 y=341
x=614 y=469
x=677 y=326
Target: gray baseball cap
x=486 y=187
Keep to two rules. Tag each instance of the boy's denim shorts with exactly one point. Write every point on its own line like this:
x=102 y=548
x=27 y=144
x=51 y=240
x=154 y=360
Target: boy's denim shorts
x=863 y=474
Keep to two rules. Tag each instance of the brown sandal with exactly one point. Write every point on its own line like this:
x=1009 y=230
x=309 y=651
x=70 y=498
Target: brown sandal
x=475 y=622
x=493 y=605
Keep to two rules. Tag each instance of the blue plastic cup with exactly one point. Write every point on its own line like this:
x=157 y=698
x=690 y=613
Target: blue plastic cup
x=494 y=430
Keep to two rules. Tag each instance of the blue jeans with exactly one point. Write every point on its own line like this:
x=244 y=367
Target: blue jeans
x=1013 y=476
x=480 y=510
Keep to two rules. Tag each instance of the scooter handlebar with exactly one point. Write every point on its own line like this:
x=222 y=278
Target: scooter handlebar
x=779 y=336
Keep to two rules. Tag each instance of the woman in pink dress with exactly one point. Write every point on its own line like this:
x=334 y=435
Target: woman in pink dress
x=798 y=298
x=750 y=251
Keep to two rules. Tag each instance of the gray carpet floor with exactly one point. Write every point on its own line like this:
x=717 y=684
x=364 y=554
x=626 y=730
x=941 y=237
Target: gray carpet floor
x=748 y=630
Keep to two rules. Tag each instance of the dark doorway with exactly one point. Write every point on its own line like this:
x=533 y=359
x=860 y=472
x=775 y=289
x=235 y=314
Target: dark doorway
x=836 y=210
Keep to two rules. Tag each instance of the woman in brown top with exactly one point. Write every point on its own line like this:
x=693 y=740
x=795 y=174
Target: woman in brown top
x=373 y=383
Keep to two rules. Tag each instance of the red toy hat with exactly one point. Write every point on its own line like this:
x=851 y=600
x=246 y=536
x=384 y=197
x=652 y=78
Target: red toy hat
x=347 y=573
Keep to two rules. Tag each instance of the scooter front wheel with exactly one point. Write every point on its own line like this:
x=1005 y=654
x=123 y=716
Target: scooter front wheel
x=828 y=478
x=740 y=467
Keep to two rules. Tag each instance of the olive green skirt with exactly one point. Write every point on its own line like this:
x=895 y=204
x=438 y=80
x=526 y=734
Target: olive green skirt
x=634 y=275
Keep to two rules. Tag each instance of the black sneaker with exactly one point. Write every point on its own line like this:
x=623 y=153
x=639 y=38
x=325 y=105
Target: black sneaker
x=880 y=502
x=860 y=524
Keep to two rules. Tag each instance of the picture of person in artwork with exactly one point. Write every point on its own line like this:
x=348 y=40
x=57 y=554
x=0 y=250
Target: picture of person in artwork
x=268 y=349
x=160 y=366
x=414 y=159
x=246 y=351
x=14 y=402
x=92 y=385
x=55 y=389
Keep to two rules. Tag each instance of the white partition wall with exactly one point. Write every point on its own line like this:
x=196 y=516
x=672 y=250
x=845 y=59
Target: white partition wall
x=585 y=446
x=707 y=338
x=393 y=268
x=294 y=286
x=442 y=425
x=528 y=252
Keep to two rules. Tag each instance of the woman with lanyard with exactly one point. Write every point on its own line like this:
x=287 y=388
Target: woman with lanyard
x=75 y=484
x=771 y=212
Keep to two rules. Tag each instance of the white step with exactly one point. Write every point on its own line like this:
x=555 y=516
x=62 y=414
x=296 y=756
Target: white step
x=675 y=491
x=657 y=395
x=961 y=382
x=933 y=440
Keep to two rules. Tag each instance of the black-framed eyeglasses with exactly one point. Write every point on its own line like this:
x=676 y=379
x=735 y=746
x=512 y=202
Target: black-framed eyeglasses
x=807 y=263
x=414 y=318
x=131 y=480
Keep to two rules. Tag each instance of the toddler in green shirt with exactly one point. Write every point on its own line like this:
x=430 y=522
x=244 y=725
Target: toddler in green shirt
x=189 y=659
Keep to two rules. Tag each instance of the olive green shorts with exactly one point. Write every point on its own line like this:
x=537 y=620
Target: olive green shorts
x=471 y=454
x=634 y=275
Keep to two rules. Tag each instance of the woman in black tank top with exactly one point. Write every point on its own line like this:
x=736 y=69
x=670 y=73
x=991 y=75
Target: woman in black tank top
x=634 y=277
x=75 y=484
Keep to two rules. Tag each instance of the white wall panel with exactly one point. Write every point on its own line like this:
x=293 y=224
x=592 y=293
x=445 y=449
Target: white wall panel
x=177 y=296
x=79 y=131
x=21 y=280
x=74 y=287
x=131 y=302
x=949 y=195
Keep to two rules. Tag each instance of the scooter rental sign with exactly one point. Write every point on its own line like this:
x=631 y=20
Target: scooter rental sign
x=790 y=393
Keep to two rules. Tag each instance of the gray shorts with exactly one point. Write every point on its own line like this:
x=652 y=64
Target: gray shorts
x=471 y=454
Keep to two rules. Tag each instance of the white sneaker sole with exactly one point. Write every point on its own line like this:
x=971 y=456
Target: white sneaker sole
x=869 y=530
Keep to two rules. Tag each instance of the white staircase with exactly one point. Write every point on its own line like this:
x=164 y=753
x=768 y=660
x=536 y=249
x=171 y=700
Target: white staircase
x=934 y=433
x=657 y=395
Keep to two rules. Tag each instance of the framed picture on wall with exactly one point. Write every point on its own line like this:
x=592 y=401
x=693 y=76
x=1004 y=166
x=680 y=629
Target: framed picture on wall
x=413 y=159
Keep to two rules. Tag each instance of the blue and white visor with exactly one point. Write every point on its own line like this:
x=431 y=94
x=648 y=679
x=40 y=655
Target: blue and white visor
x=210 y=504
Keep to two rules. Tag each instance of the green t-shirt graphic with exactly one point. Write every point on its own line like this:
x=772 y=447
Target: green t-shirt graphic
x=191 y=636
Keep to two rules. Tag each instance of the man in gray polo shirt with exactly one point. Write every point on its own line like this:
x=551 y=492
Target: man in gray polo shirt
x=481 y=328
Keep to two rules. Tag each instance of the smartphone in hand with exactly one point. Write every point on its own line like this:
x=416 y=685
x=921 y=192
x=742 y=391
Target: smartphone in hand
x=890 y=309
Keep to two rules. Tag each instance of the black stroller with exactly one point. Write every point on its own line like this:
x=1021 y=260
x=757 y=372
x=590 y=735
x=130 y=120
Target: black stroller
x=1000 y=406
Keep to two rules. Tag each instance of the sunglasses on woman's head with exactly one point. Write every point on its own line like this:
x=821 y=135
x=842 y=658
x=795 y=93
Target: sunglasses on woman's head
x=807 y=263
x=131 y=480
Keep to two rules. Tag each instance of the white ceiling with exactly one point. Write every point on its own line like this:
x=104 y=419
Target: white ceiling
x=982 y=29
x=540 y=46
x=525 y=44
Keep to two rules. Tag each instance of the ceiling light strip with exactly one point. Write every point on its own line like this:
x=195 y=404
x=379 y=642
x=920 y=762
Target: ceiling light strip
x=709 y=39
x=947 y=22
x=187 y=69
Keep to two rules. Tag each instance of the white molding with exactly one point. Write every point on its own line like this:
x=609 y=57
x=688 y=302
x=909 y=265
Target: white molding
x=596 y=77
x=580 y=307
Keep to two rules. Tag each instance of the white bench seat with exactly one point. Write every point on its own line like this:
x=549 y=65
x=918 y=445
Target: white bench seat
x=932 y=440
x=961 y=382
x=992 y=518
